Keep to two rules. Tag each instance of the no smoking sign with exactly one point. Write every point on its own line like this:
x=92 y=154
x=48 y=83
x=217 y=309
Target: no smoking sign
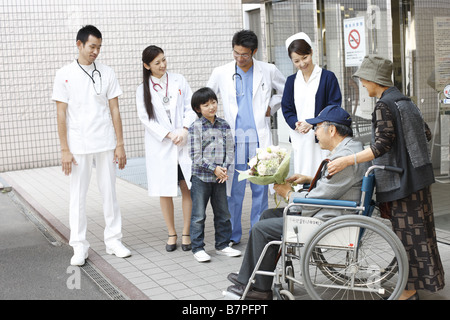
x=447 y=91
x=354 y=39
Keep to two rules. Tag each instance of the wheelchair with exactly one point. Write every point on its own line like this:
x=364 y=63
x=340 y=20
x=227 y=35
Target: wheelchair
x=349 y=257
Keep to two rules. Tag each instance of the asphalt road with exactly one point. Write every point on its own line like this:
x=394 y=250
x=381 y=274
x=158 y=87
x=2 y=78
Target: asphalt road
x=34 y=265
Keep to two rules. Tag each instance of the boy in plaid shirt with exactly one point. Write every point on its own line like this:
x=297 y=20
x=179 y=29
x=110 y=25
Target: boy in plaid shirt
x=212 y=150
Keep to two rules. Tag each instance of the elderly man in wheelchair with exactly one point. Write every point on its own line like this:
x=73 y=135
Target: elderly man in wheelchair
x=334 y=133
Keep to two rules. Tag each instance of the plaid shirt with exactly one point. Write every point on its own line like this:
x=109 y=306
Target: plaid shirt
x=212 y=145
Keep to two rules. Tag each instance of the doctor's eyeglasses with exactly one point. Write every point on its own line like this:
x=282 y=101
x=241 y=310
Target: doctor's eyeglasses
x=245 y=56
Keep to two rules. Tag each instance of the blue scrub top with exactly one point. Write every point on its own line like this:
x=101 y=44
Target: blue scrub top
x=245 y=119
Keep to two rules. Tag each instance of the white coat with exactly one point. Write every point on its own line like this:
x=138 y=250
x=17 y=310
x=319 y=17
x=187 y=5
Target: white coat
x=162 y=156
x=265 y=78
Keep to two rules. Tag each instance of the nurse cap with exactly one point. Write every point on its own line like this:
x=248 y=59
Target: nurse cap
x=298 y=36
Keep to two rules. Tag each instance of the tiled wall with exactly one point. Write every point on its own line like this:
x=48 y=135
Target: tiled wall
x=38 y=38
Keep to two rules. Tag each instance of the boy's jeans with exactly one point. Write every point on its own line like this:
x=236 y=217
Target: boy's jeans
x=201 y=193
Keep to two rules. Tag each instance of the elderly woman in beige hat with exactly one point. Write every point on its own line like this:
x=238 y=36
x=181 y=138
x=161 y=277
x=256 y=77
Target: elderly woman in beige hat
x=399 y=138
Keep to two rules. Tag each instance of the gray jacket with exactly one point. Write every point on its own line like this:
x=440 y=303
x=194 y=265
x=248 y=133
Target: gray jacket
x=409 y=151
x=345 y=185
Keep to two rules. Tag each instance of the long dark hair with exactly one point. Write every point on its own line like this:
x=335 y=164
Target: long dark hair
x=148 y=55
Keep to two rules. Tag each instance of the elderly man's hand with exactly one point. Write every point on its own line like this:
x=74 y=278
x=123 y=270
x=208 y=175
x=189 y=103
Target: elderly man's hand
x=282 y=189
x=299 y=179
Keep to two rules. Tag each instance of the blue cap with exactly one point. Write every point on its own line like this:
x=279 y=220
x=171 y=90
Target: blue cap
x=333 y=113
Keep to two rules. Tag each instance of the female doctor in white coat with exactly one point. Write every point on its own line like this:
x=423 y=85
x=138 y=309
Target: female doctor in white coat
x=163 y=105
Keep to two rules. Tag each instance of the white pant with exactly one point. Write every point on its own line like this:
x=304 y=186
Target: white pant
x=79 y=184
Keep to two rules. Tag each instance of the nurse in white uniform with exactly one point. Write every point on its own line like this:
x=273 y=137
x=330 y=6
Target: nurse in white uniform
x=90 y=130
x=164 y=107
x=306 y=93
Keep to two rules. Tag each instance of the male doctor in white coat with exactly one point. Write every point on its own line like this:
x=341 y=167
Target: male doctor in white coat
x=245 y=86
x=90 y=129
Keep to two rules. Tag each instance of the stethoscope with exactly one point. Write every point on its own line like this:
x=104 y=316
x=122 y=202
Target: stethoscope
x=95 y=71
x=236 y=74
x=233 y=77
x=166 y=98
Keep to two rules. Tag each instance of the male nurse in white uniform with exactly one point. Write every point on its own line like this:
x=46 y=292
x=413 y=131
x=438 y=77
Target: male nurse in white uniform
x=245 y=86
x=90 y=131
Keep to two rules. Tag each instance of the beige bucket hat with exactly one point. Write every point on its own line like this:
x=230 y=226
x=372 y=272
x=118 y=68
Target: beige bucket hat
x=376 y=69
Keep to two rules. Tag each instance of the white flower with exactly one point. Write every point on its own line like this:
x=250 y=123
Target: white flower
x=253 y=161
x=267 y=160
x=262 y=169
x=275 y=149
x=263 y=155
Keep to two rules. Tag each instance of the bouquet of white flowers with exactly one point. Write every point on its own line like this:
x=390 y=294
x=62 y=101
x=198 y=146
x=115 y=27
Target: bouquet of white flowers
x=270 y=165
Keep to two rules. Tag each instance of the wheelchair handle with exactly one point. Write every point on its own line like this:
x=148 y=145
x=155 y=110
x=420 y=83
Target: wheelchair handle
x=389 y=168
x=394 y=169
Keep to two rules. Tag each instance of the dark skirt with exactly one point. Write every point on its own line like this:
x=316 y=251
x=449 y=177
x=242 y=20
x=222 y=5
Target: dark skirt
x=413 y=221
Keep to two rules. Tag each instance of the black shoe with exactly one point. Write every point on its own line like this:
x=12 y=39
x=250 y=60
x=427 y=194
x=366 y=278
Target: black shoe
x=171 y=247
x=233 y=277
x=251 y=294
x=186 y=247
x=415 y=296
x=233 y=243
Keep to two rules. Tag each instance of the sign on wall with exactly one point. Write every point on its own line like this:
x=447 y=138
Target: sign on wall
x=441 y=74
x=355 y=41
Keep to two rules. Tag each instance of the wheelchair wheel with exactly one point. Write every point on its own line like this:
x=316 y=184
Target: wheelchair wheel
x=340 y=278
x=290 y=274
x=286 y=295
x=354 y=257
x=333 y=274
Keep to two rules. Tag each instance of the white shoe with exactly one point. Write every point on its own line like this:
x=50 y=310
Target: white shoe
x=202 y=256
x=118 y=250
x=79 y=258
x=229 y=252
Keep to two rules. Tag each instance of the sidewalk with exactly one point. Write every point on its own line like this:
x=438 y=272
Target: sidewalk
x=151 y=272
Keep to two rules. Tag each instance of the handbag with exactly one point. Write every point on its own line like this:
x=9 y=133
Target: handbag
x=385 y=209
x=318 y=175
